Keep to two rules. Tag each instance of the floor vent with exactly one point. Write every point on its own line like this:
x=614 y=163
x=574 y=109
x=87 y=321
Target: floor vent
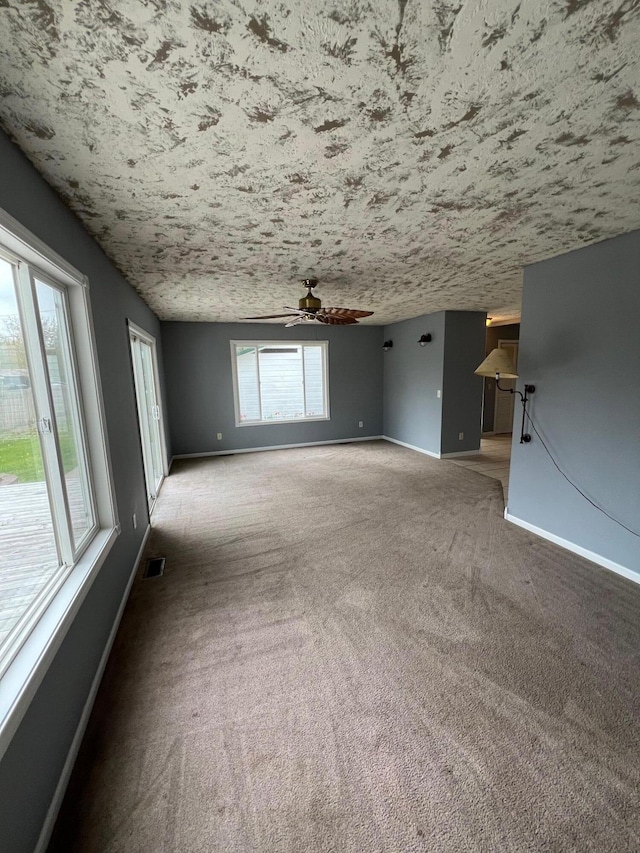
x=155 y=567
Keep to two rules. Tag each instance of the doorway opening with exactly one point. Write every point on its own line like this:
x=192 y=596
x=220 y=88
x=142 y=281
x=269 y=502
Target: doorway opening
x=504 y=400
x=498 y=409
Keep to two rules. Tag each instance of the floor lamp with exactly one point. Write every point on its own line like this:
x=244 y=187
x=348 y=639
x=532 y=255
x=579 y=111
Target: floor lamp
x=499 y=365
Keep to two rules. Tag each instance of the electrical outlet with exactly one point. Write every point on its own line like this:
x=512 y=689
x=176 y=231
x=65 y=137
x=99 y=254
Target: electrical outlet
x=438 y=393
x=134 y=520
x=460 y=436
x=219 y=436
x=360 y=424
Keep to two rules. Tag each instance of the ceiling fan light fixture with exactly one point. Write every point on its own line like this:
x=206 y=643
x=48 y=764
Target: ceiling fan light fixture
x=309 y=302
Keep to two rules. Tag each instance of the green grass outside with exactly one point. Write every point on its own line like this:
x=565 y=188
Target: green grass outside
x=22 y=456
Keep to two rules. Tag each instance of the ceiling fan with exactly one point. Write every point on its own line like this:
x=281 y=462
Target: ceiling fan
x=310 y=310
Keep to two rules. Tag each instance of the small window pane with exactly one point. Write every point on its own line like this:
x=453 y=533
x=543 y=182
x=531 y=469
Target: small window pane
x=28 y=552
x=281 y=385
x=314 y=392
x=51 y=307
x=150 y=408
x=249 y=396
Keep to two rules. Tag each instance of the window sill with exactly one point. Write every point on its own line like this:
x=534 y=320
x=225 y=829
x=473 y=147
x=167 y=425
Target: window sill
x=279 y=423
x=30 y=663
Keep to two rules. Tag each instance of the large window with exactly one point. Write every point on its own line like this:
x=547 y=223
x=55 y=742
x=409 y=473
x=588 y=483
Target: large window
x=57 y=515
x=280 y=381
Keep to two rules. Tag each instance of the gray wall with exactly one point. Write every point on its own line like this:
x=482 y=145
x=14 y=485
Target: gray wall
x=200 y=390
x=412 y=377
x=30 y=769
x=510 y=332
x=580 y=347
x=464 y=345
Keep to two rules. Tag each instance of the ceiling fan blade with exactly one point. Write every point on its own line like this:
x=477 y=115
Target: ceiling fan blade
x=302 y=311
x=269 y=317
x=346 y=312
x=335 y=319
x=312 y=310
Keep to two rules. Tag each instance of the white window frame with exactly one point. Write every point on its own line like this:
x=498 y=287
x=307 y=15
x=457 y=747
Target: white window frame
x=136 y=331
x=323 y=345
x=39 y=634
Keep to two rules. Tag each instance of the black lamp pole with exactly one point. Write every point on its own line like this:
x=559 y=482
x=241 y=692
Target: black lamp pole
x=525 y=438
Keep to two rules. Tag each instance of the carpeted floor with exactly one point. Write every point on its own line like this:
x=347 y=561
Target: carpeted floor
x=352 y=651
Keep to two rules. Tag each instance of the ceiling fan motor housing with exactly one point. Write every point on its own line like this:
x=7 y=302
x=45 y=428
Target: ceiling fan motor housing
x=309 y=302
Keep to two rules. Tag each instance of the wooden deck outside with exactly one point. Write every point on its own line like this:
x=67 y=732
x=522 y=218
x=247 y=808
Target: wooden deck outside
x=28 y=555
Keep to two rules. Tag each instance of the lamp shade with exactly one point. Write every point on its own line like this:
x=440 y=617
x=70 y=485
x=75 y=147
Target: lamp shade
x=497 y=361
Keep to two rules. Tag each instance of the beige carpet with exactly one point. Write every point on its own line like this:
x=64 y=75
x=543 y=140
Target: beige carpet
x=352 y=651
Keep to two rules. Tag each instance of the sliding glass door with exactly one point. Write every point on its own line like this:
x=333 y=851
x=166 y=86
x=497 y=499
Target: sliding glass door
x=145 y=375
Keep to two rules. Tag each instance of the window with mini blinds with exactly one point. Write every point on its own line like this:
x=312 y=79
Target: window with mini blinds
x=280 y=381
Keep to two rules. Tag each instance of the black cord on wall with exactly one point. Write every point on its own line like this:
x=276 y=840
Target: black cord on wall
x=571 y=483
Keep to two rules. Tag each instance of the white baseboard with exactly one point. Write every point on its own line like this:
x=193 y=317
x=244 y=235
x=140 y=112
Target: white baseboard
x=575 y=549
x=274 y=447
x=411 y=447
x=430 y=452
x=58 y=796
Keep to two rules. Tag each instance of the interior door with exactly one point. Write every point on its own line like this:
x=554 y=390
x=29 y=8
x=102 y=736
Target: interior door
x=145 y=376
x=503 y=414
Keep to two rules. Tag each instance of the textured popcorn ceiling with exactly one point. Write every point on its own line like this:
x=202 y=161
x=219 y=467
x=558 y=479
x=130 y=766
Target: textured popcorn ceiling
x=412 y=155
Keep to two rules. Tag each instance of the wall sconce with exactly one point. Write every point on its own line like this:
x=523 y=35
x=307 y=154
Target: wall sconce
x=498 y=364
x=386 y=346
x=423 y=340
x=487 y=322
